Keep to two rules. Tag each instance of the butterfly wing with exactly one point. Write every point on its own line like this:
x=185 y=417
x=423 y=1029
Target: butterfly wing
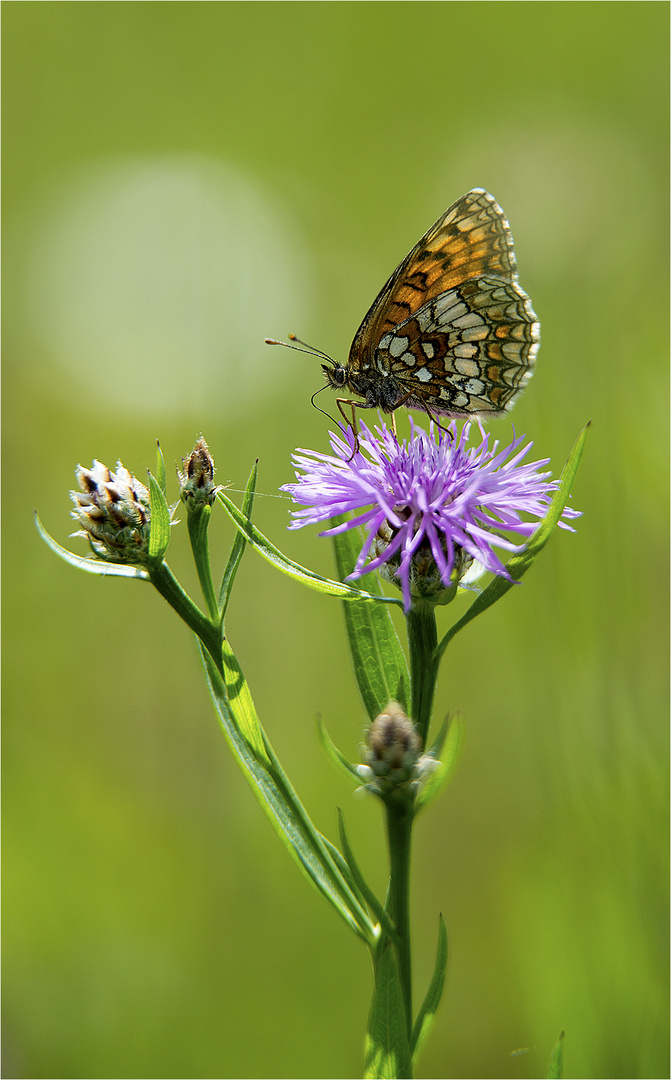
x=468 y=351
x=472 y=238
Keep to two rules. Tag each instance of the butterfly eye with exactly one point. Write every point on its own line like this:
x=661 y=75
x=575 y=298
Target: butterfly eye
x=335 y=376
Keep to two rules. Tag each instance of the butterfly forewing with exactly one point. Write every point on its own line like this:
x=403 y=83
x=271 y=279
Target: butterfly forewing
x=471 y=238
x=451 y=332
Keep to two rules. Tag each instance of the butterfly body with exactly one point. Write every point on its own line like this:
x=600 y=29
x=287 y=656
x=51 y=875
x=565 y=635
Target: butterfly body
x=451 y=333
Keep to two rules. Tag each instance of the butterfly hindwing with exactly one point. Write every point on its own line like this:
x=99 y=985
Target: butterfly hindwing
x=469 y=350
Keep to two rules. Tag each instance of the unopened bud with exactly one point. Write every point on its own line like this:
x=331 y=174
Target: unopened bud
x=196 y=478
x=113 y=510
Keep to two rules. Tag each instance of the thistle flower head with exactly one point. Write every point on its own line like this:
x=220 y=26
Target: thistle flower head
x=113 y=510
x=429 y=506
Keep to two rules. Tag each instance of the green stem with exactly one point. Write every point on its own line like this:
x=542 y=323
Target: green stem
x=198 y=524
x=422 y=642
x=165 y=582
x=399 y=832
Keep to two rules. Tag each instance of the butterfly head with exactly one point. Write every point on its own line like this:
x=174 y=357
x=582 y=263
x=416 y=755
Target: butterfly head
x=335 y=375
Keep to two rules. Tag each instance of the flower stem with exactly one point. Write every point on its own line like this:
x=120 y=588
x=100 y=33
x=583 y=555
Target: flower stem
x=399 y=832
x=198 y=521
x=422 y=642
x=165 y=582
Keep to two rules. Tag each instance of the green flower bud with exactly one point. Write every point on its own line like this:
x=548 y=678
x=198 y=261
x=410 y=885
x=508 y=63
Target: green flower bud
x=196 y=477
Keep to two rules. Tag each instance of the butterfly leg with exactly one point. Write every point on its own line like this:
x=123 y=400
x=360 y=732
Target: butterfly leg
x=350 y=420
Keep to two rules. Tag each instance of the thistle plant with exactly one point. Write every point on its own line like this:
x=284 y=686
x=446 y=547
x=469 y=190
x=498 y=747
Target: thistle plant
x=430 y=515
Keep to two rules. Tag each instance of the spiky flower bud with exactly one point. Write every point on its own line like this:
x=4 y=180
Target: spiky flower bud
x=392 y=752
x=113 y=510
x=196 y=478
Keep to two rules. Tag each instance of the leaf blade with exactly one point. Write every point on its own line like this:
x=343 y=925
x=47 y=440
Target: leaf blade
x=159 y=532
x=299 y=573
x=259 y=764
x=89 y=564
x=556 y=1062
x=239 y=543
x=433 y=994
x=519 y=564
x=380 y=667
x=387 y=1049
x=449 y=757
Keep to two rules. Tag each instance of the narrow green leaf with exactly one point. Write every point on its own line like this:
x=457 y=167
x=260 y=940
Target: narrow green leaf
x=449 y=755
x=242 y=706
x=556 y=1062
x=238 y=544
x=249 y=744
x=380 y=666
x=335 y=754
x=161 y=478
x=338 y=859
x=90 y=564
x=159 y=536
x=292 y=569
x=387 y=1052
x=519 y=564
x=433 y=994
x=437 y=744
x=364 y=888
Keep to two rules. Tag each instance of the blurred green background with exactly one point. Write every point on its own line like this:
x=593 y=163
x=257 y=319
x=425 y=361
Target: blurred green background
x=181 y=180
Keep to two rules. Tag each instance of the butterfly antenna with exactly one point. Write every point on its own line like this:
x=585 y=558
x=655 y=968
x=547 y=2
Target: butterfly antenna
x=302 y=346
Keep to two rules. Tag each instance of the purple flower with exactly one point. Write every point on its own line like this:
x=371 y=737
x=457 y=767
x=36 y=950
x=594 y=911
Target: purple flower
x=424 y=501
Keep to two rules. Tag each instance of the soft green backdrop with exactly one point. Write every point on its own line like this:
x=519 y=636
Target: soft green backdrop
x=182 y=179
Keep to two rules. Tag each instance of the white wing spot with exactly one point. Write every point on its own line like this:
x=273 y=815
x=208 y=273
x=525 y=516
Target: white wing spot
x=465 y=351
x=428 y=350
x=467 y=367
x=385 y=341
x=424 y=375
x=398 y=345
x=474 y=386
x=409 y=359
x=471 y=318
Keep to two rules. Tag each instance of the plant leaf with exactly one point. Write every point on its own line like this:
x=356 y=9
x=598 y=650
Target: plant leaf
x=433 y=994
x=449 y=755
x=361 y=883
x=238 y=544
x=159 y=536
x=335 y=754
x=249 y=743
x=387 y=1052
x=380 y=666
x=519 y=564
x=298 y=573
x=161 y=478
x=90 y=564
x=556 y=1062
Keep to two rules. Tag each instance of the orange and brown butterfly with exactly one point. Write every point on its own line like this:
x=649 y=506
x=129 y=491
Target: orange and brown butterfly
x=451 y=333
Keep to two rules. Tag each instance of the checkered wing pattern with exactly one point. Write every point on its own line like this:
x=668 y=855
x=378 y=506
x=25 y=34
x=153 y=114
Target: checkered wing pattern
x=451 y=331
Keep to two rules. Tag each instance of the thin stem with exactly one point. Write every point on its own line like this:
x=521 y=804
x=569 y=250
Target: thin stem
x=422 y=642
x=163 y=579
x=198 y=523
x=399 y=832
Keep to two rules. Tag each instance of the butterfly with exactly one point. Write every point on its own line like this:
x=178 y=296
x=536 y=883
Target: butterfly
x=451 y=332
